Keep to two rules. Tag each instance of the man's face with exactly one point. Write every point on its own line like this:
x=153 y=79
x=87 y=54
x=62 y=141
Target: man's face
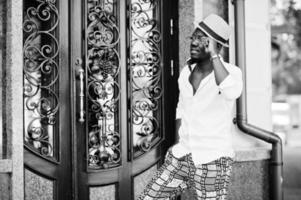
x=199 y=45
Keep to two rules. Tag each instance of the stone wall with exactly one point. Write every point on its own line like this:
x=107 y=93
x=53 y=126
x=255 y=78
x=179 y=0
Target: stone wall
x=5 y=184
x=2 y=56
x=5 y=178
x=11 y=122
x=249 y=177
x=186 y=26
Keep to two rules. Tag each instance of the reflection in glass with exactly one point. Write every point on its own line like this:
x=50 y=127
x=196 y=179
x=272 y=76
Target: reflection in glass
x=41 y=75
x=103 y=89
x=145 y=74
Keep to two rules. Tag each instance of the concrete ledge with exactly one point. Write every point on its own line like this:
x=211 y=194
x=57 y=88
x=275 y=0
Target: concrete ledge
x=252 y=154
x=250 y=181
x=6 y=166
x=249 y=177
x=5 y=186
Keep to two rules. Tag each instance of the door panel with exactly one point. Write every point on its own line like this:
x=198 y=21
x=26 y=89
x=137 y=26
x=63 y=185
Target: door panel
x=96 y=92
x=98 y=137
x=41 y=79
x=145 y=75
x=46 y=86
x=102 y=66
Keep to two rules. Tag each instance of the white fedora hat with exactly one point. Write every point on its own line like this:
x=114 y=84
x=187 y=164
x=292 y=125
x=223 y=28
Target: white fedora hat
x=216 y=28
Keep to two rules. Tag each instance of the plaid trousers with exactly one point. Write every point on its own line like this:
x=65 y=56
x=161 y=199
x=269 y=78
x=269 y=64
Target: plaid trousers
x=207 y=181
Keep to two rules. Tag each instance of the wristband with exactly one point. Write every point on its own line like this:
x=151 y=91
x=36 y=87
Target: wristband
x=215 y=56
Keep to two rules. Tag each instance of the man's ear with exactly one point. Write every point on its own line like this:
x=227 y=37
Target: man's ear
x=219 y=46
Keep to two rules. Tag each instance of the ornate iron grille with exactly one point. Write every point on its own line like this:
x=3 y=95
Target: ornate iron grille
x=145 y=74
x=41 y=74
x=102 y=64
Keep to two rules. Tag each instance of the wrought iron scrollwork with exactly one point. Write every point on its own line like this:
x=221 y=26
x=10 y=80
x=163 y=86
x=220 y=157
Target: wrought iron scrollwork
x=146 y=74
x=103 y=89
x=41 y=73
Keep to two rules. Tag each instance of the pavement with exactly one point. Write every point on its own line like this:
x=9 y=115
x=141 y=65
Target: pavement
x=292 y=166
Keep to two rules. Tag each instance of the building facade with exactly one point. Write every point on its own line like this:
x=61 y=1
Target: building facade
x=89 y=90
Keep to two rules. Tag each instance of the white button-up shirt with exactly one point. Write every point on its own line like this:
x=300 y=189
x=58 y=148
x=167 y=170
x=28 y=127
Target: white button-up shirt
x=206 y=116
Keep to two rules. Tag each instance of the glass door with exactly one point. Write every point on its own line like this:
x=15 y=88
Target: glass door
x=99 y=96
x=47 y=114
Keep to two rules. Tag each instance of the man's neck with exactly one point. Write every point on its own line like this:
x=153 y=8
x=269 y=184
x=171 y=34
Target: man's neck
x=204 y=66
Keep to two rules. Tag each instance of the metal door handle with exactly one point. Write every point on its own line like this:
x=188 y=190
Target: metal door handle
x=81 y=76
x=171 y=68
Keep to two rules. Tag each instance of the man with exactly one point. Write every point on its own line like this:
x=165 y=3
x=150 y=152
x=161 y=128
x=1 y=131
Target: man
x=202 y=158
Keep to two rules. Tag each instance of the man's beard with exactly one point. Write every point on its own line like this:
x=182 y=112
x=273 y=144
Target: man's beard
x=192 y=61
x=198 y=60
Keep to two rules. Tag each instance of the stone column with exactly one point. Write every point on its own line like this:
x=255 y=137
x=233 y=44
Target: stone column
x=186 y=26
x=14 y=95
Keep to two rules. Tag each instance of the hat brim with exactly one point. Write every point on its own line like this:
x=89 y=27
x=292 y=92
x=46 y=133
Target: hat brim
x=225 y=44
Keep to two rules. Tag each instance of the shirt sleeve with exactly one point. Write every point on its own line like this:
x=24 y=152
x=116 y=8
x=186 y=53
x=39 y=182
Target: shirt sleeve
x=231 y=86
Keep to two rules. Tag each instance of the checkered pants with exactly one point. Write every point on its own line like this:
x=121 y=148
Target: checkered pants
x=207 y=181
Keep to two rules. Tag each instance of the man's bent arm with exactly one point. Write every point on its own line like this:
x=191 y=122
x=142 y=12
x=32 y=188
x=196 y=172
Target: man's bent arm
x=220 y=71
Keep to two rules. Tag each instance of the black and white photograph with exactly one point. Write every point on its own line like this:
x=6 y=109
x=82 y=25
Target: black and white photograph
x=150 y=100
